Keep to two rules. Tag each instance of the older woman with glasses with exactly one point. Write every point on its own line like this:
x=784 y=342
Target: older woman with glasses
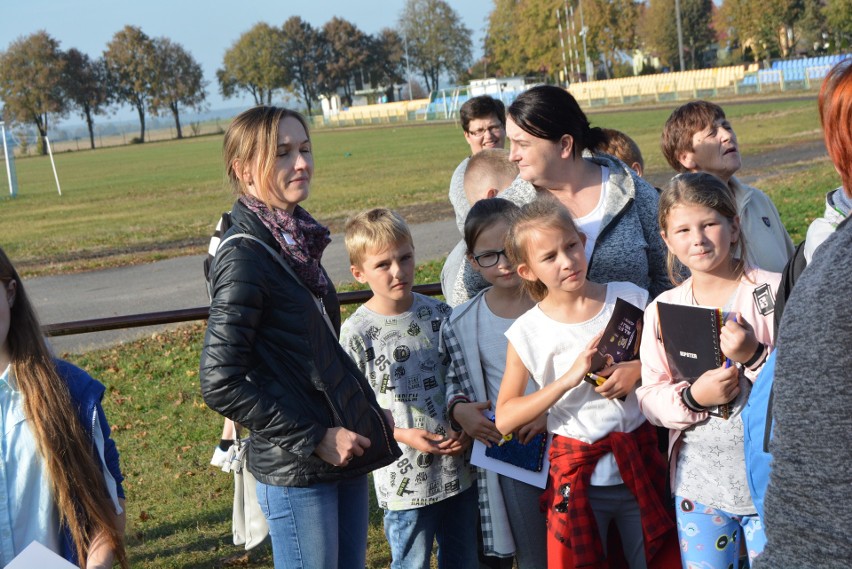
x=483 y=121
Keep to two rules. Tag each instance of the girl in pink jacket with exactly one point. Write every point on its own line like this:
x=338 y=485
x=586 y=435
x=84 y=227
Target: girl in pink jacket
x=713 y=507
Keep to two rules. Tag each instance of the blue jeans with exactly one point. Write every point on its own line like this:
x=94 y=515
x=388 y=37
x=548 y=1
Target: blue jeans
x=451 y=521
x=323 y=526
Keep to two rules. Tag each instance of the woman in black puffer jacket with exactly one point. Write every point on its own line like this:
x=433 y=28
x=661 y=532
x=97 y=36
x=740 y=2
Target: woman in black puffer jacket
x=271 y=360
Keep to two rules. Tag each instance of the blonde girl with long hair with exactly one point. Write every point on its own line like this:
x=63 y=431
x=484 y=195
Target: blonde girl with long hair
x=604 y=466
x=59 y=465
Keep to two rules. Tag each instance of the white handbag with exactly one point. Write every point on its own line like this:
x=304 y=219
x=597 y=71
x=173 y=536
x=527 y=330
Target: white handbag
x=248 y=522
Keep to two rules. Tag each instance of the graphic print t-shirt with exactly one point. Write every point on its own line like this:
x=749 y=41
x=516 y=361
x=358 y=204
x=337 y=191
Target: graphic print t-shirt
x=400 y=356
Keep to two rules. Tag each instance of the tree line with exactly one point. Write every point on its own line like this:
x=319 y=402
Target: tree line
x=39 y=82
x=524 y=36
x=338 y=58
x=157 y=76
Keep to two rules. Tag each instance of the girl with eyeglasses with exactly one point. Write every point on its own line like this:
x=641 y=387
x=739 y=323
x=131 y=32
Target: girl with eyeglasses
x=474 y=337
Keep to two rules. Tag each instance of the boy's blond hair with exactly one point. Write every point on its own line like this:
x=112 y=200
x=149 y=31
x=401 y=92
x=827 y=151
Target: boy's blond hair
x=371 y=229
x=489 y=167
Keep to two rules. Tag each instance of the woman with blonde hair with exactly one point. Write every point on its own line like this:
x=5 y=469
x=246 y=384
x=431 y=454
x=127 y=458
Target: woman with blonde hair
x=271 y=359
x=60 y=471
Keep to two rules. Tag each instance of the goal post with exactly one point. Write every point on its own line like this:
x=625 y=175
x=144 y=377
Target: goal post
x=9 y=159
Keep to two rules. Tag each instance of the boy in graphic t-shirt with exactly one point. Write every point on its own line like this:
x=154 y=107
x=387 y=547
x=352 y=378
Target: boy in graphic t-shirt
x=394 y=339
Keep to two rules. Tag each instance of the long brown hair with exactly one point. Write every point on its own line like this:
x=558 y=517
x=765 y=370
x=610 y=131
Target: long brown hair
x=76 y=479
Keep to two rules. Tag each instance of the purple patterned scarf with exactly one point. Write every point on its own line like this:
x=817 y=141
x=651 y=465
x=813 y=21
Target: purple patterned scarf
x=302 y=240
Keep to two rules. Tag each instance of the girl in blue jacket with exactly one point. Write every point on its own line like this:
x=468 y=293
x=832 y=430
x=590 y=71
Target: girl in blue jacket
x=61 y=467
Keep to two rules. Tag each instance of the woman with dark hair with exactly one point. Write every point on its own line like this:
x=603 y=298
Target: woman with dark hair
x=60 y=475
x=553 y=145
x=271 y=360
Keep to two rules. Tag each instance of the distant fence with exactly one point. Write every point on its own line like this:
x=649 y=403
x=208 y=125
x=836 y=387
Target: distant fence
x=786 y=75
x=187 y=315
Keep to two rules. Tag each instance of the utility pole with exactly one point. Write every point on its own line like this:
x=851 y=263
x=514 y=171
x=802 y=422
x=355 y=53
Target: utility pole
x=590 y=76
x=679 y=33
x=407 y=67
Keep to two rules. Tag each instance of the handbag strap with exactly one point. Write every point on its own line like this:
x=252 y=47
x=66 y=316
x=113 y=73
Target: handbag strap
x=275 y=255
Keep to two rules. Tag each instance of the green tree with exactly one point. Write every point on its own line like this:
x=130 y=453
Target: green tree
x=255 y=63
x=659 y=31
x=306 y=54
x=611 y=30
x=131 y=67
x=437 y=40
x=86 y=87
x=838 y=19
x=348 y=51
x=523 y=37
x=503 y=46
x=813 y=26
x=540 y=34
x=31 y=76
x=769 y=28
x=179 y=81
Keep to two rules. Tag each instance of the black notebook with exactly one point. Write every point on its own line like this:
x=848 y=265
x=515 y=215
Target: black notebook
x=620 y=340
x=690 y=337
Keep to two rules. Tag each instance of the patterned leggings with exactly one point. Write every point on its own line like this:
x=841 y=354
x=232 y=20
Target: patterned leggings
x=710 y=538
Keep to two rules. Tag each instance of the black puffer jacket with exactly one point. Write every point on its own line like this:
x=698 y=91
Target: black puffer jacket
x=271 y=363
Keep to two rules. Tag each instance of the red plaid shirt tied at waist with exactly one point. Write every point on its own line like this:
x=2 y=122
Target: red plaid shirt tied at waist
x=643 y=470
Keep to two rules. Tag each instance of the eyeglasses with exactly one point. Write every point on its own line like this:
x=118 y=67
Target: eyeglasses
x=489 y=258
x=496 y=131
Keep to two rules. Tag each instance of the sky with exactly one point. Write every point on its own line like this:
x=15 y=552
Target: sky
x=205 y=28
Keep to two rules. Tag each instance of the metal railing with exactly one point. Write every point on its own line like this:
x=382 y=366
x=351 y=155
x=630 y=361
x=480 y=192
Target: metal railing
x=187 y=315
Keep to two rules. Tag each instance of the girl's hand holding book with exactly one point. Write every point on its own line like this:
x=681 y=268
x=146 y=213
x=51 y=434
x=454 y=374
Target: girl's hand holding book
x=737 y=339
x=530 y=430
x=621 y=379
x=475 y=424
x=716 y=387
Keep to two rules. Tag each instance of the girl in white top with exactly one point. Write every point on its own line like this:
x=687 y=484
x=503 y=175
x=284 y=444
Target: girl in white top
x=474 y=337
x=604 y=466
x=713 y=507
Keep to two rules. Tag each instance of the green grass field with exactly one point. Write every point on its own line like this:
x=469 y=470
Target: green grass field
x=144 y=202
